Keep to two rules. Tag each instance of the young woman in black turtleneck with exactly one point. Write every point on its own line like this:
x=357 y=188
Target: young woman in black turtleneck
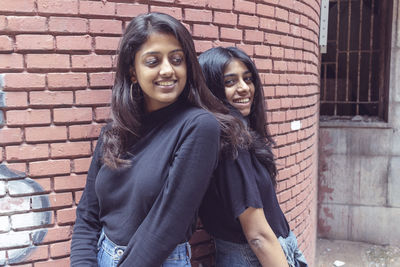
x=153 y=161
x=240 y=208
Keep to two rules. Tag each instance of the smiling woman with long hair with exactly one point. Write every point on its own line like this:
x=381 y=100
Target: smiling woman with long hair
x=240 y=208
x=153 y=161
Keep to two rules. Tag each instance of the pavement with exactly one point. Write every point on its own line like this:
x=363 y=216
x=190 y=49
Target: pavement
x=336 y=253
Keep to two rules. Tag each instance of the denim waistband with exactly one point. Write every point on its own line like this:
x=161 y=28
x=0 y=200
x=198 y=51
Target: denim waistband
x=292 y=252
x=180 y=252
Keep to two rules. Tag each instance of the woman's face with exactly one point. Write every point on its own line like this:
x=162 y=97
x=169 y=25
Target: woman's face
x=160 y=70
x=239 y=87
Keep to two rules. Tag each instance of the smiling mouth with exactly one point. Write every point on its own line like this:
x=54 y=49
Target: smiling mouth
x=166 y=83
x=242 y=100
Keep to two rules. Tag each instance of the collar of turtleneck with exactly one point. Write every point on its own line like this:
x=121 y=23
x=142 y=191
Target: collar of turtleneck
x=151 y=119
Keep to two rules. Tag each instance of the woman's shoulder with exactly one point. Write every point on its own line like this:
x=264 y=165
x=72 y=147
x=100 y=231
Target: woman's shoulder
x=200 y=116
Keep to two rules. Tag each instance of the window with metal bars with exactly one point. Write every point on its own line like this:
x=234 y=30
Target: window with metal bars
x=355 y=67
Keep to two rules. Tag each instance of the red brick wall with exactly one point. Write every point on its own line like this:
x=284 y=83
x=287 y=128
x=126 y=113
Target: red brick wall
x=56 y=67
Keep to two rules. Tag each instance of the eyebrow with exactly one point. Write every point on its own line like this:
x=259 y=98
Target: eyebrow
x=156 y=53
x=233 y=75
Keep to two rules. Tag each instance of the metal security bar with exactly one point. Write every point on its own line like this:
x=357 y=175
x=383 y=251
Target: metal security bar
x=354 y=76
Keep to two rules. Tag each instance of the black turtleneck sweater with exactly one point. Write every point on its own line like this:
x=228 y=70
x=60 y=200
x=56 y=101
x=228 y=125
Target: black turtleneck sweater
x=238 y=184
x=151 y=206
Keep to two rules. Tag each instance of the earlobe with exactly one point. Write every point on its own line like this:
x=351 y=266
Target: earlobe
x=133 y=75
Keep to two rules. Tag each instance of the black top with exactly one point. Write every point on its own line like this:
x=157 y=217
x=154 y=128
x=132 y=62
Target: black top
x=236 y=185
x=152 y=205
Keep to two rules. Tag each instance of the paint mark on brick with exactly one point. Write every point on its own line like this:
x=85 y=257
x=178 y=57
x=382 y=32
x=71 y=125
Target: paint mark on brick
x=17 y=229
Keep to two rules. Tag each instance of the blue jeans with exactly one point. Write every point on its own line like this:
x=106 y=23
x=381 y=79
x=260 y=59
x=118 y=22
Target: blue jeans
x=109 y=254
x=229 y=254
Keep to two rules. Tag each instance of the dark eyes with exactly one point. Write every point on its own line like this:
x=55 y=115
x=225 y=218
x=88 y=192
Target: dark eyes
x=232 y=81
x=154 y=61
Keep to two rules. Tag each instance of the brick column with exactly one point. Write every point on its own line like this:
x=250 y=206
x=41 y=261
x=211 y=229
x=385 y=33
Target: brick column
x=56 y=71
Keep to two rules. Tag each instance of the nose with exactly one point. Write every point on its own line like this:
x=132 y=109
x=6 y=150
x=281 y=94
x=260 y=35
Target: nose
x=243 y=87
x=166 y=69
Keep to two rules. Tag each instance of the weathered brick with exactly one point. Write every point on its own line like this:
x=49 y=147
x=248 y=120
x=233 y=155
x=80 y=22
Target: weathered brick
x=14 y=204
x=74 y=149
x=57 y=7
x=64 y=262
x=173 y=11
x=101 y=79
x=20 y=221
x=198 y=15
x=245 y=6
x=232 y=34
x=3 y=23
x=265 y=10
x=67 y=80
x=281 y=13
x=38 y=253
x=202 y=45
x=225 y=18
x=63 y=115
x=23 y=152
x=84 y=131
x=10 y=135
x=34 y=42
x=78 y=196
x=14 y=239
x=102 y=113
x=60 y=249
x=59 y=233
x=66 y=216
x=19 y=81
x=197 y=3
x=131 y=10
x=11 y=61
x=28 y=117
x=17 y=167
x=107 y=43
x=6 y=44
x=96 y=8
x=26 y=24
x=248 y=21
x=52 y=133
x=4 y=223
x=268 y=24
x=81 y=165
x=221 y=4
x=12 y=6
x=68 y=25
x=91 y=61
x=262 y=50
x=254 y=35
x=72 y=182
x=102 y=26
x=205 y=31
x=74 y=43
x=16 y=99
x=60 y=200
x=93 y=97
x=51 y=98
x=47 y=61
x=49 y=167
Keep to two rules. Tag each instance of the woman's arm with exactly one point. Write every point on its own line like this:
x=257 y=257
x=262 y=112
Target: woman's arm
x=87 y=226
x=261 y=238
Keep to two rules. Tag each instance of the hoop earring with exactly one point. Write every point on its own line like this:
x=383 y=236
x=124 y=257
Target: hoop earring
x=135 y=91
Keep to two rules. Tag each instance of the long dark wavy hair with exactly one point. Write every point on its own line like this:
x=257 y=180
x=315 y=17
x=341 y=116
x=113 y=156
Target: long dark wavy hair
x=213 y=63
x=127 y=108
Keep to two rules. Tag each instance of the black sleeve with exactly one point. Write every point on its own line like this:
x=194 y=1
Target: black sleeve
x=175 y=208
x=238 y=184
x=87 y=225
